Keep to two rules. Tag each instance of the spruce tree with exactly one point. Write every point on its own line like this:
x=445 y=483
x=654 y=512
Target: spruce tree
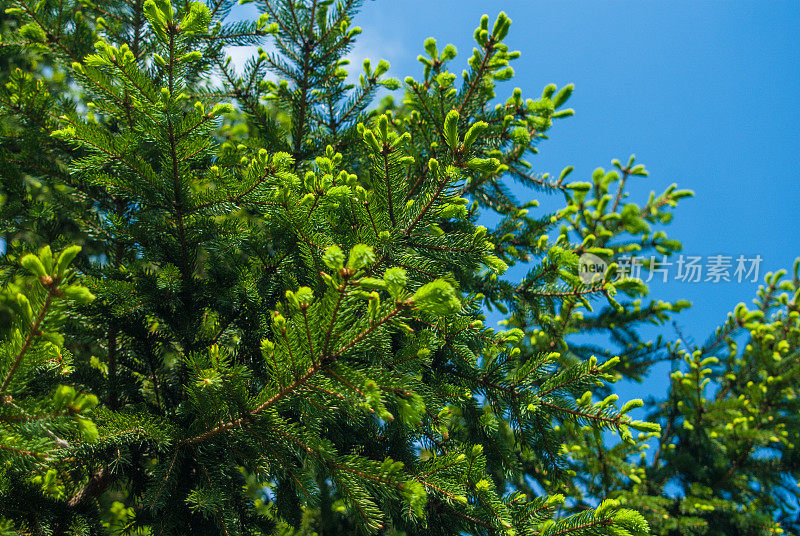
x=725 y=462
x=247 y=300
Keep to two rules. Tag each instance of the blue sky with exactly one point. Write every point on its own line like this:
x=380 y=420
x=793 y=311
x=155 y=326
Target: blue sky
x=705 y=93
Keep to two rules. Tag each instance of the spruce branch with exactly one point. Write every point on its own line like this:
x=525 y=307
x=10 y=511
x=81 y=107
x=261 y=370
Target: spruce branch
x=33 y=333
x=323 y=360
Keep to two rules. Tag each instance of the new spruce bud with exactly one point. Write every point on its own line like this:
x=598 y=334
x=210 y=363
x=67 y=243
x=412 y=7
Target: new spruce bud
x=451 y=129
x=437 y=298
x=333 y=258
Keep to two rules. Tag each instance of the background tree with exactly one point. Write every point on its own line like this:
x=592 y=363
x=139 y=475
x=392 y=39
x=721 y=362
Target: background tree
x=725 y=460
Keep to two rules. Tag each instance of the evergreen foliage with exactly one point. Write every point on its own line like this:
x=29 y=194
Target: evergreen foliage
x=729 y=427
x=265 y=313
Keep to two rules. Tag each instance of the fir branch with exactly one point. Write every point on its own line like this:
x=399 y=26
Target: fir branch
x=479 y=73
x=33 y=333
x=583 y=526
x=322 y=361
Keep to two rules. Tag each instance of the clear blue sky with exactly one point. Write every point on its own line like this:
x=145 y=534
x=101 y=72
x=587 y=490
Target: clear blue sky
x=706 y=93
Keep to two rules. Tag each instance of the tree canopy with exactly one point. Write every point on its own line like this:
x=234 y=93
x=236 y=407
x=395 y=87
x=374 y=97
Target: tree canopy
x=252 y=299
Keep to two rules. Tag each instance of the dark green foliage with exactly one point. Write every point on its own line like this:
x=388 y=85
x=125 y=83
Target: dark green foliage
x=279 y=323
